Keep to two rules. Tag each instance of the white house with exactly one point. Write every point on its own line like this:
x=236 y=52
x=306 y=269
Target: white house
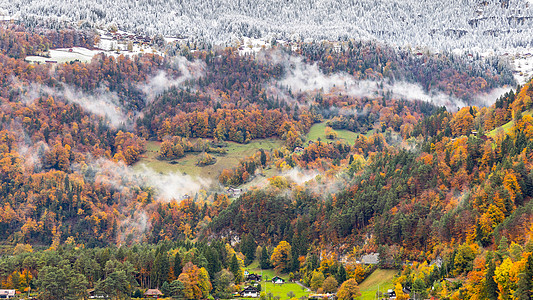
x=233 y=192
x=278 y=280
x=7 y=294
x=250 y=292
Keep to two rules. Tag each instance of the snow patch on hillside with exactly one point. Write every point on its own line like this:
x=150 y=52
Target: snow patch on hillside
x=522 y=64
x=63 y=55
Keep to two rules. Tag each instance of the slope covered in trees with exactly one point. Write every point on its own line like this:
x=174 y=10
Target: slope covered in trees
x=462 y=199
x=423 y=183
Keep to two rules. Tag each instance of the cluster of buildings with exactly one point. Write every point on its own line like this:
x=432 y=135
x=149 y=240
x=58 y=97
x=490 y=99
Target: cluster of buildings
x=127 y=37
x=252 y=291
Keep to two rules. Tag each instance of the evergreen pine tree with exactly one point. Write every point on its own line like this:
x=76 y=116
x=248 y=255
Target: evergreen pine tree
x=294 y=263
x=234 y=268
x=177 y=265
x=265 y=260
x=341 y=274
x=164 y=268
x=491 y=287
x=248 y=249
x=524 y=289
x=165 y=289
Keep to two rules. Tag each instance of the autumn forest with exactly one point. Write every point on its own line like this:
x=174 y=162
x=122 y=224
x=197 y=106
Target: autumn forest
x=441 y=190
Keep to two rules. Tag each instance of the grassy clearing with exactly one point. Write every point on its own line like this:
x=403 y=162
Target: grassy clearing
x=506 y=128
x=369 y=133
x=280 y=290
x=268 y=274
x=317 y=131
x=187 y=164
x=379 y=278
x=261 y=180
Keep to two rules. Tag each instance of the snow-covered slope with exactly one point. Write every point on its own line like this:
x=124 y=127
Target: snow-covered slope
x=484 y=24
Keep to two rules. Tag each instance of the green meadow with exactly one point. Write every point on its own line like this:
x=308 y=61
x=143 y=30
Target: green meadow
x=379 y=279
x=280 y=290
x=187 y=164
x=317 y=131
x=506 y=128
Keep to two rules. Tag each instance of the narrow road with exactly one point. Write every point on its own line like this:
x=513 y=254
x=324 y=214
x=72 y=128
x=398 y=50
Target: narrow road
x=301 y=284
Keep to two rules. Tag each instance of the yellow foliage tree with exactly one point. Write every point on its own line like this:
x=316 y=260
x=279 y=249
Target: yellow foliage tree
x=462 y=122
x=503 y=277
x=281 y=256
x=349 y=290
x=511 y=185
x=400 y=295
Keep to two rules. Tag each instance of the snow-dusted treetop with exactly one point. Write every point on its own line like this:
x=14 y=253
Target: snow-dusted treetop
x=442 y=25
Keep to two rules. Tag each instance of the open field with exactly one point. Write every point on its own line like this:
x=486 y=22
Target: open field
x=66 y=55
x=261 y=180
x=381 y=279
x=317 y=131
x=280 y=290
x=506 y=128
x=254 y=268
x=187 y=164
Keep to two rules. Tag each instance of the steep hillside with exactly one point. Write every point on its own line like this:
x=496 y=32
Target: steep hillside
x=404 y=171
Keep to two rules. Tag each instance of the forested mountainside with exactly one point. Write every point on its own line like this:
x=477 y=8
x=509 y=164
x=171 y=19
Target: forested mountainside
x=496 y=24
x=436 y=185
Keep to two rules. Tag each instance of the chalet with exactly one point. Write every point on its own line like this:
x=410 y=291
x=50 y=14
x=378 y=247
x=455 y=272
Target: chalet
x=254 y=277
x=322 y=296
x=246 y=273
x=232 y=192
x=94 y=294
x=249 y=292
x=391 y=293
x=153 y=293
x=298 y=150
x=278 y=280
x=51 y=61
x=7 y=294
